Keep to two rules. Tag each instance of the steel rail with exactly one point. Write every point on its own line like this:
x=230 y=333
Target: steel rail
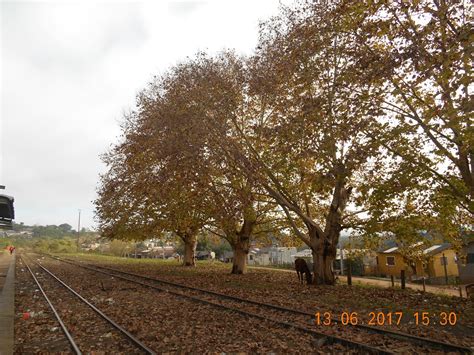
x=61 y=323
x=137 y=342
x=329 y=339
x=390 y=333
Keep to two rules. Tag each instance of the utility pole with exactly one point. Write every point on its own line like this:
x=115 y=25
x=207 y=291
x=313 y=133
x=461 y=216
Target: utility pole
x=445 y=262
x=341 y=255
x=78 y=229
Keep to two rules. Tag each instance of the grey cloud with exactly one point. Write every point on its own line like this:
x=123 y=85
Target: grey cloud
x=184 y=7
x=33 y=33
x=69 y=71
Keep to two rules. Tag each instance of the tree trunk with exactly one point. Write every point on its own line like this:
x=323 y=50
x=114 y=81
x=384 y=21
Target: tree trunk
x=190 y=243
x=239 y=264
x=241 y=245
x=318 y=270
x=323 y=267
x=324 y=243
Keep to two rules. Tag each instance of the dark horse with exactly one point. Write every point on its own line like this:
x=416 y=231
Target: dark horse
x=302 y=268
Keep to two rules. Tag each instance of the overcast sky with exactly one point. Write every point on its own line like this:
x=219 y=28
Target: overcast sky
x=69 y=70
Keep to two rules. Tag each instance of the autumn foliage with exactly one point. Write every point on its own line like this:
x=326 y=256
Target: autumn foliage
x=349 y=114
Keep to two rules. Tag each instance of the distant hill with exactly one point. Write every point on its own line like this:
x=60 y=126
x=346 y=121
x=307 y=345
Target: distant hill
x=52 y=230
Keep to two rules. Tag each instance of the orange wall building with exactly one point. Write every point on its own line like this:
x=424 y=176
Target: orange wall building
x=390 y=263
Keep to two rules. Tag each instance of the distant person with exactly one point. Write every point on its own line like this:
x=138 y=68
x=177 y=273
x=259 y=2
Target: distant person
x=12 y=248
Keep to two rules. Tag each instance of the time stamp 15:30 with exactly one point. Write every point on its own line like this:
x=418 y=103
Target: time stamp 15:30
x=386 y=318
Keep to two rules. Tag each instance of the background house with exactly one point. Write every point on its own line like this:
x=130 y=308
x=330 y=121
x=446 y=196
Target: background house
x=363 y=261
x=205 y=255
x=442 y=261
x=228 y=257
x=266 y=256
x=466 y=264
x=439 y=262
x=281 y=255
x=273 y=255
x=258 y=257
x=89 y=246
x=303 y=254
x=159 y=252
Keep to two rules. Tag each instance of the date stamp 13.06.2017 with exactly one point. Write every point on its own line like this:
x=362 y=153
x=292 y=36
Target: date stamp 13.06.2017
x=386 y=318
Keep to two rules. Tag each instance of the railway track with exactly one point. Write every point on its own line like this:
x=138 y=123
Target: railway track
x=385 y=341
x=68 y=335
x=131 y=341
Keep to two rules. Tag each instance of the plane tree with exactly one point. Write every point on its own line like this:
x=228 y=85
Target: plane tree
x=119 y=208
x=421 y=53
x=347 y=114
x=205 y=91
x=145 y=191
x=313 y=119
x=300 y=126
x=239 y=214
x=366 y=107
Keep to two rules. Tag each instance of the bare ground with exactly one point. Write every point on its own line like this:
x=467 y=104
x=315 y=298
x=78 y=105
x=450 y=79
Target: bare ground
x=170 y=324
x=283 y=289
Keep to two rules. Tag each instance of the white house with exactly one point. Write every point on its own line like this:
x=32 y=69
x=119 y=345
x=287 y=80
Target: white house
x=271 y=256
x=256 y=257
x=304 y=254
x=282 y=255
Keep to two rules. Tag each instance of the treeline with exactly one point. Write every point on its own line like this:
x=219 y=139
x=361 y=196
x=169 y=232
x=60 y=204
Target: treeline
x=52 y=230
x=349 y=114
x=50 y=238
